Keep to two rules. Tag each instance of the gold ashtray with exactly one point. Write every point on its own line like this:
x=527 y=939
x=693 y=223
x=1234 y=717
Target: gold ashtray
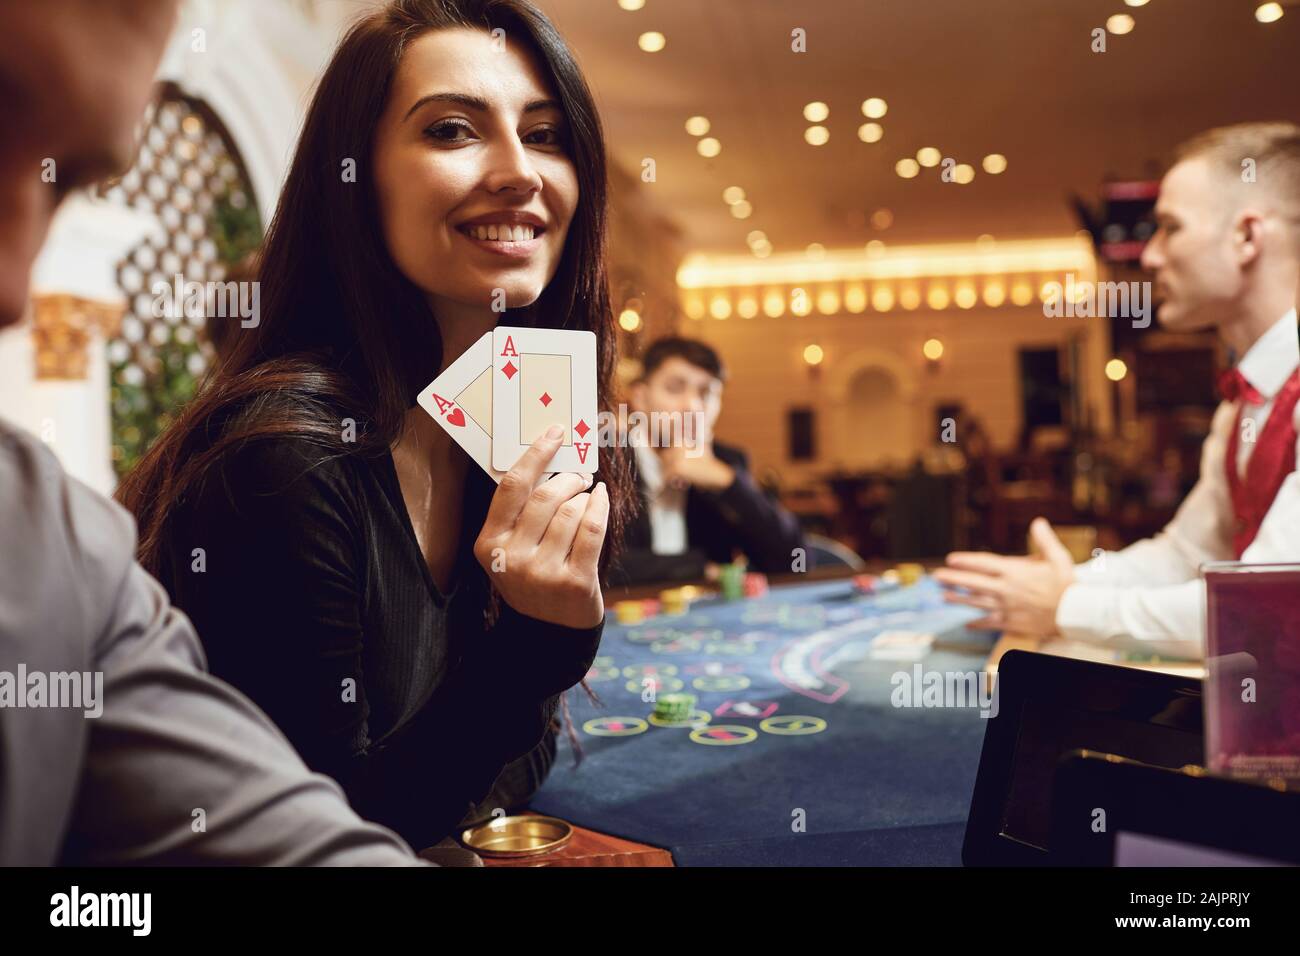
x=517 y=836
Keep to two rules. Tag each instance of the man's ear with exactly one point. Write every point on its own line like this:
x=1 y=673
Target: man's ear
x=1248 y=236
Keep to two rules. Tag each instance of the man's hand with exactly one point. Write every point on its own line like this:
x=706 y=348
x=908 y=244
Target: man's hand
x=1019 y=594
x=704 y=470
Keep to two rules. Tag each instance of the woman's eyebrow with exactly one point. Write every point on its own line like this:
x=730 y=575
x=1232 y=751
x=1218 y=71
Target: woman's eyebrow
x=474 y=103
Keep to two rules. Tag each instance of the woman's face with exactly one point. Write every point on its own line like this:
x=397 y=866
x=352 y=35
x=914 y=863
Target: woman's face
x=476 y=191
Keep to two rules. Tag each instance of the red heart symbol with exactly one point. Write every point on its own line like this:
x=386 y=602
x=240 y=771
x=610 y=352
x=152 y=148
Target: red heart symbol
x=457 y=418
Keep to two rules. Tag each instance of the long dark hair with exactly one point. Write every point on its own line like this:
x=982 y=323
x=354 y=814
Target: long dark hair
x=342 y=332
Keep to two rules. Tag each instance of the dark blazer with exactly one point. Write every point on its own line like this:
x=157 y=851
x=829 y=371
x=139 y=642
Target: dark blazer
x=740 y=518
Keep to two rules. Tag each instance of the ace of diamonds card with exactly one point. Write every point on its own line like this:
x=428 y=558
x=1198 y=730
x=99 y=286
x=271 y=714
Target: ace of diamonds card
x=540 y=378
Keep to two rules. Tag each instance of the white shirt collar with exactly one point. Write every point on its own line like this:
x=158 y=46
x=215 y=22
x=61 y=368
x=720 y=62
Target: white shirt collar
x=1270 y=361
x=647 y=463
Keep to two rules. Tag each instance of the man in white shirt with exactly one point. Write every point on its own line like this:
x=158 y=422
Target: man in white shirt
x=1226 y=254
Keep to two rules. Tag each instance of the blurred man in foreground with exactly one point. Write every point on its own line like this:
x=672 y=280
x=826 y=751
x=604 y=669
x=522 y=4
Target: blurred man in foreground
x=116 y=746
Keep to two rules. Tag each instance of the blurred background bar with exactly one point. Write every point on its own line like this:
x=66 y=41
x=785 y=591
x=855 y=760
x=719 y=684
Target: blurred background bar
x=874 y=211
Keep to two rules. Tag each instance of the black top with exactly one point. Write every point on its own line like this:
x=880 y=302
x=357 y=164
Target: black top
x=740 y=517
x=311 y=595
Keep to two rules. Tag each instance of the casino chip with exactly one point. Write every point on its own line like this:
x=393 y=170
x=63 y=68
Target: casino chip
x=629 y=612
x=910 y=573
x=674 y=707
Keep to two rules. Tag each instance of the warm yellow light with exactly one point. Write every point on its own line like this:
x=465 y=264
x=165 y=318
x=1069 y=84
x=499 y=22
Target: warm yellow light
x=882 y=298
x=762 y=249
x=882 y=219
x=1116 y=370
x=928 y=156
x=932 y=349
x=800 y=301
x=1050 y=291
x=963 y=173
x=870 y=132
x=756 y=238
x=1022 y=293
x=742 y=210
x=1006 y=260
x=708 y=147
x=813 y=355
x=828 y=302
x=1120 y=24
x=984 y=240
x=732 y=195
x=815 y=250
x=631 y=5
x=937 y=297
x=855 y=298
x=995 y=293
x=1268 y=12
x=816 y=112
x=995 y=163
x=910 y=297
x=629 y=320
x=965 y=296
x=1137 y=3
x=695 y=307
x=817 y=135
x=747 y=307
x=773 y=304
x=697 y=125
x=874 y=108
x=907 y=168
x=651 y=41
x=720 y=307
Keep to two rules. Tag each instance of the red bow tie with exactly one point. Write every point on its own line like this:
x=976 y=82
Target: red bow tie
x=1233 y=385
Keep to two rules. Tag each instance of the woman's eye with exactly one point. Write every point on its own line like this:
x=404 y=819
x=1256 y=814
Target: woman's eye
x=446 y=132
x=544 y=136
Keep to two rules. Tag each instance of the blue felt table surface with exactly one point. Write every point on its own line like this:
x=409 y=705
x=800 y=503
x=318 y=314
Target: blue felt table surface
x=880 y=784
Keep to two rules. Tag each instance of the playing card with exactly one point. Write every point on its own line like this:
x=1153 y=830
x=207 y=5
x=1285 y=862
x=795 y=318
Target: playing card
x=461 y=401
x=540 y=378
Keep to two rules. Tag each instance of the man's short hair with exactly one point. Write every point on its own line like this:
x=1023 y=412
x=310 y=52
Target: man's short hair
x=691 y=350
x=1272 y=148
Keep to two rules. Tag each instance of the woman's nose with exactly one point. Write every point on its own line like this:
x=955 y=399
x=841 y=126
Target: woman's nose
x=510 y=167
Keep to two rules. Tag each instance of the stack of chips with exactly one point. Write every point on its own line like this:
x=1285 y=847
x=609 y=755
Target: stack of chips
x=732 y=579
x=910 y=573
x=629 y=612
x=675 y=708
x=755 y=584
x=674 y=601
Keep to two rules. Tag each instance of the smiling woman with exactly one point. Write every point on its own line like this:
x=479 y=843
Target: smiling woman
x=318 y=527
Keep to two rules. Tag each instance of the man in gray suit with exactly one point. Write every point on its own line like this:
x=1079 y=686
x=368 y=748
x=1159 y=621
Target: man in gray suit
x=115 y=746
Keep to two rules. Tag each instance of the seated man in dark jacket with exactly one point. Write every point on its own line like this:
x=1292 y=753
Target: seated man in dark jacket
x=700 y=504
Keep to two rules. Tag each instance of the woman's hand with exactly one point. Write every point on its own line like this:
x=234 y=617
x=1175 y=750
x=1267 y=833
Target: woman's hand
x=541 y=544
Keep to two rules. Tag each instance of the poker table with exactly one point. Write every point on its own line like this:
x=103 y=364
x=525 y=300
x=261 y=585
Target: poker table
x=806 y=747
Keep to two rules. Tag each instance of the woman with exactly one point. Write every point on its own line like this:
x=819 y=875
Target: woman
x=329 y=540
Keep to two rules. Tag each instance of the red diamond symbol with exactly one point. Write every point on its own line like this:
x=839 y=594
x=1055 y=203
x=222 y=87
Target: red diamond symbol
x=545 y=399
x=509 y=369
x=582 y=428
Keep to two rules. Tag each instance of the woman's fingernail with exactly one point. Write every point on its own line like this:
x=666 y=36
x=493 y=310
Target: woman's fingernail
x=555 y=431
